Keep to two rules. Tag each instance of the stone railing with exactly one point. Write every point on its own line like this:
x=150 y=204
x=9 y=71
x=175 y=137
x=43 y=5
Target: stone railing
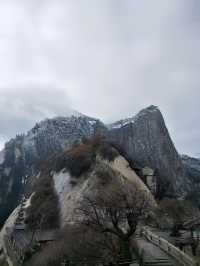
x=170 y=249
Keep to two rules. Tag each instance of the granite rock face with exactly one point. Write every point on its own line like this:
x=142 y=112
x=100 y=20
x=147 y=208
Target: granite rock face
x=147 y=142
x=22 y=156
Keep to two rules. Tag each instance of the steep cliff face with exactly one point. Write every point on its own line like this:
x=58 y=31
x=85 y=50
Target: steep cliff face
x=22 y=156
x=192 y=168
x=146 y=140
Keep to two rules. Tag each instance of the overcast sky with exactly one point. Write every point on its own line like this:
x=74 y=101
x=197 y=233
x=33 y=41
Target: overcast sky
x=105 y=58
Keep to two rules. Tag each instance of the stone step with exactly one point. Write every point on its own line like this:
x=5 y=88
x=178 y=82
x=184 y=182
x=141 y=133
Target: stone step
x=157 y=263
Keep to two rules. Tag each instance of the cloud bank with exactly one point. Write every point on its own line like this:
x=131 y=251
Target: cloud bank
x=104 y=58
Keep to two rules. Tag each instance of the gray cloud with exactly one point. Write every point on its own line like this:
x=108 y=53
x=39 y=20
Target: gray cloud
x=21 y=108
x=109 y=57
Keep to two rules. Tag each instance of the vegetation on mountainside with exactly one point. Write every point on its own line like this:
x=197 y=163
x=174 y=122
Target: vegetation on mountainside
x=44 y=209
x=43 y=212
x=176 y=212
x=105 y=232
x=79 y=160
x=76 y=245
x=118 y=205
x=3 y=263
x=194 y=197
x=115 y=214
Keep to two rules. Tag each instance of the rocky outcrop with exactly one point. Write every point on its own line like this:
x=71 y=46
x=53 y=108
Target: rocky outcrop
x=146 y=140
x=91 y=183
x=22 y=156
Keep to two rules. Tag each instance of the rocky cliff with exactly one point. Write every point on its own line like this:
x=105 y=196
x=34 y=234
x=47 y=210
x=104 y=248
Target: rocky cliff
x=146 y=140
x=22 y=156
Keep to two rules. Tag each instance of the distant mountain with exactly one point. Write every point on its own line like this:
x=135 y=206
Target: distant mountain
x=192 y=166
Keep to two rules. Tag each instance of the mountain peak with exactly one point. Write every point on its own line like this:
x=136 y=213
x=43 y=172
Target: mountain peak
x=146 y=140
x=150 y=110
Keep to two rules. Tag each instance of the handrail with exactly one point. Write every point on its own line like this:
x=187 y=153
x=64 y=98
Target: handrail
x=190 y=222
x=170 y=249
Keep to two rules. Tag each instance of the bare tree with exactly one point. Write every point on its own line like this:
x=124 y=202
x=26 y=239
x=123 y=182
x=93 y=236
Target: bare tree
x=177 y=211
x=116 y=214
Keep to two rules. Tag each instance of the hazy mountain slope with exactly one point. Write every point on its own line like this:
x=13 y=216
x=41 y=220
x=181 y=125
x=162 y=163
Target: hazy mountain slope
x=192 y=166
x=146 y=140
x=23 y=155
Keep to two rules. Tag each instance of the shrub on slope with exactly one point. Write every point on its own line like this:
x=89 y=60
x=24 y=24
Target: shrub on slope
x=43 y=212
x=79 y=159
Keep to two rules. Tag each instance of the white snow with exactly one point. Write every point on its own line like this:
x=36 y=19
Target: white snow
x=132 y=120
x=92 y=122
x=123 y=123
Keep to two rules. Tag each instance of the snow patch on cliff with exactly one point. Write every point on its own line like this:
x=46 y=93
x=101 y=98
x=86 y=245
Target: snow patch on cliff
x=134 y=119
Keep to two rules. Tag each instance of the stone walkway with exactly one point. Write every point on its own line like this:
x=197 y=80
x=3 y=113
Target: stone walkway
x=153 y=255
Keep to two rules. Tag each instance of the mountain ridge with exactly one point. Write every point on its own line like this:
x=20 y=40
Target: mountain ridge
x=144 y=138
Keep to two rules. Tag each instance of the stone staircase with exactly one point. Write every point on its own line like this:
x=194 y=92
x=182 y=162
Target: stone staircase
x=157 y=262
x=20 y=221
x=152 y=254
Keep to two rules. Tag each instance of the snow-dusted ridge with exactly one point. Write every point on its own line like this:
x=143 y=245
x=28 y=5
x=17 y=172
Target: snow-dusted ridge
x=132 y=120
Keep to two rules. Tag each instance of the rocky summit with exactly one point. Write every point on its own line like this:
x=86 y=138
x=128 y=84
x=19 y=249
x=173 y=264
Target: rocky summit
x=146 y=141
